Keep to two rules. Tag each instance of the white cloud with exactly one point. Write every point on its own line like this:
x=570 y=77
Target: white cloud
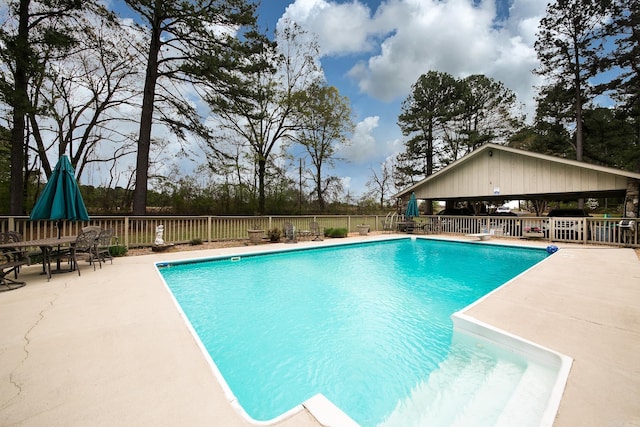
x=346 y=182
x=415 y=36
x=363 y=146
x=394 y=146
x=453 y=36
x=341 y=28
x=524 y=19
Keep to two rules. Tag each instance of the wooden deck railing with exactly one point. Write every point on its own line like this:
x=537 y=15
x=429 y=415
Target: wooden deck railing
x=137 y=231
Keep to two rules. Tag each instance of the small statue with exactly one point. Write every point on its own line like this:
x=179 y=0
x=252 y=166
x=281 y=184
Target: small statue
x=159 y=231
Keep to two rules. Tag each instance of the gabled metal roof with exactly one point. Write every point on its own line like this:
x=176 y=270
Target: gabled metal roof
x=499 y=172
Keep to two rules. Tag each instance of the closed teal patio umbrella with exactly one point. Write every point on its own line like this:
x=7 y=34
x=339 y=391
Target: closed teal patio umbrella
x=61 y=198
x=412 y=207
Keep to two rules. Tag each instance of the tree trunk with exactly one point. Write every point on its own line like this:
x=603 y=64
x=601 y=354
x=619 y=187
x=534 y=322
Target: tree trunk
x=578 y=95
x=430 y=148
x=20 y=107
x=262 y=167
x=146 y=122
x=319 y=191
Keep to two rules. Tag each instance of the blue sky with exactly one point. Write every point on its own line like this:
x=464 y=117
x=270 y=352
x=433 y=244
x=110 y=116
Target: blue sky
x=374 y=50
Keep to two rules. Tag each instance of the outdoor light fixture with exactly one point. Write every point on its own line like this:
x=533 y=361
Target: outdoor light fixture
x=490 y=153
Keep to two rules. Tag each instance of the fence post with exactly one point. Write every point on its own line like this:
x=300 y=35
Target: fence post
x=126 y=231
x=208 y=228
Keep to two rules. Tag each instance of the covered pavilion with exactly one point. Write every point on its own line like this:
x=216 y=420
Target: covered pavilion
x=494 y=173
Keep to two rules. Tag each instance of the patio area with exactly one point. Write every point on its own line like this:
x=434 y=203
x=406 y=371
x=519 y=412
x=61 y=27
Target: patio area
x=110 y=348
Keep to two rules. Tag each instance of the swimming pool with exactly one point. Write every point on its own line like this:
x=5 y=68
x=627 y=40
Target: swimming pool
x=362 y=324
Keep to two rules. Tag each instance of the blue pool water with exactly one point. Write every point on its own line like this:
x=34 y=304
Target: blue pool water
x=362 y=324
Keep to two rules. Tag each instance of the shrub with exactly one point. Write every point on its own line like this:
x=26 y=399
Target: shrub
x=335 y=232
x=195 y=242
x=118 y=250
x=274 y=235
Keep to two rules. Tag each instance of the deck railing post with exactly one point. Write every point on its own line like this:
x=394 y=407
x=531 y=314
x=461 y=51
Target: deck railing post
x=126 y=231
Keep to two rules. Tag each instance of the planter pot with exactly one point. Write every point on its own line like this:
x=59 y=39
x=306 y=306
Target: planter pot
x=363 y=229
x=161 y=248
x=255 y=236
x=533 y=234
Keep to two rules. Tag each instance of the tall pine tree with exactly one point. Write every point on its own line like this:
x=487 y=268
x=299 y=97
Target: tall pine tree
x=433 y=102
x=569 y=48
x=624 y=29
x=189 y=42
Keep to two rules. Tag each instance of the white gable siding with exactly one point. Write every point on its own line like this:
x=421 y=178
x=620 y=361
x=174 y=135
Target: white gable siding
x=517 y=173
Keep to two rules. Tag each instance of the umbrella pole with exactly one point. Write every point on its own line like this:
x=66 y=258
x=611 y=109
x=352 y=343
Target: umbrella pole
x=58 y=270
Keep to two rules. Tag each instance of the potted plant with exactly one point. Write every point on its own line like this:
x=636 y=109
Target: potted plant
x=255 y=234
x=363 y=229
x=274 y=235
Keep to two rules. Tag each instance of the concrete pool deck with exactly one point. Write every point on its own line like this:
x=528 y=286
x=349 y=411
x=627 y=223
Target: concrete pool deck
x=110 y=347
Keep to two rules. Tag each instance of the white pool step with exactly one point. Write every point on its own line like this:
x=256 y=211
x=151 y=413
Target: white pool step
x=530 y=397
x=476 y=391
x=488 y=401
x=451 y=387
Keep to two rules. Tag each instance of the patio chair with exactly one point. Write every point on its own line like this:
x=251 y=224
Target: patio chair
x=95 y=228
x=9 y=264
x=103 y=244
x=85 y=244
x=289 y=233
x=11 y=259
x=317 y=232
x=431 y=226
x=18 y=254
x=497 y=230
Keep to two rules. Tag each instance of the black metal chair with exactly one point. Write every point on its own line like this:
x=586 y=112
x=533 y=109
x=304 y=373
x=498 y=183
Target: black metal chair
x=85 y=244
x=289 y=233
x=17 y=254
x=103 y=245
x=316 y=231
x=11 y=259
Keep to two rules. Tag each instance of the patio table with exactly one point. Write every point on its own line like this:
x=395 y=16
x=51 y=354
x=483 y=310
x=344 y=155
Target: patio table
x=46 y=246
x=406 y=226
